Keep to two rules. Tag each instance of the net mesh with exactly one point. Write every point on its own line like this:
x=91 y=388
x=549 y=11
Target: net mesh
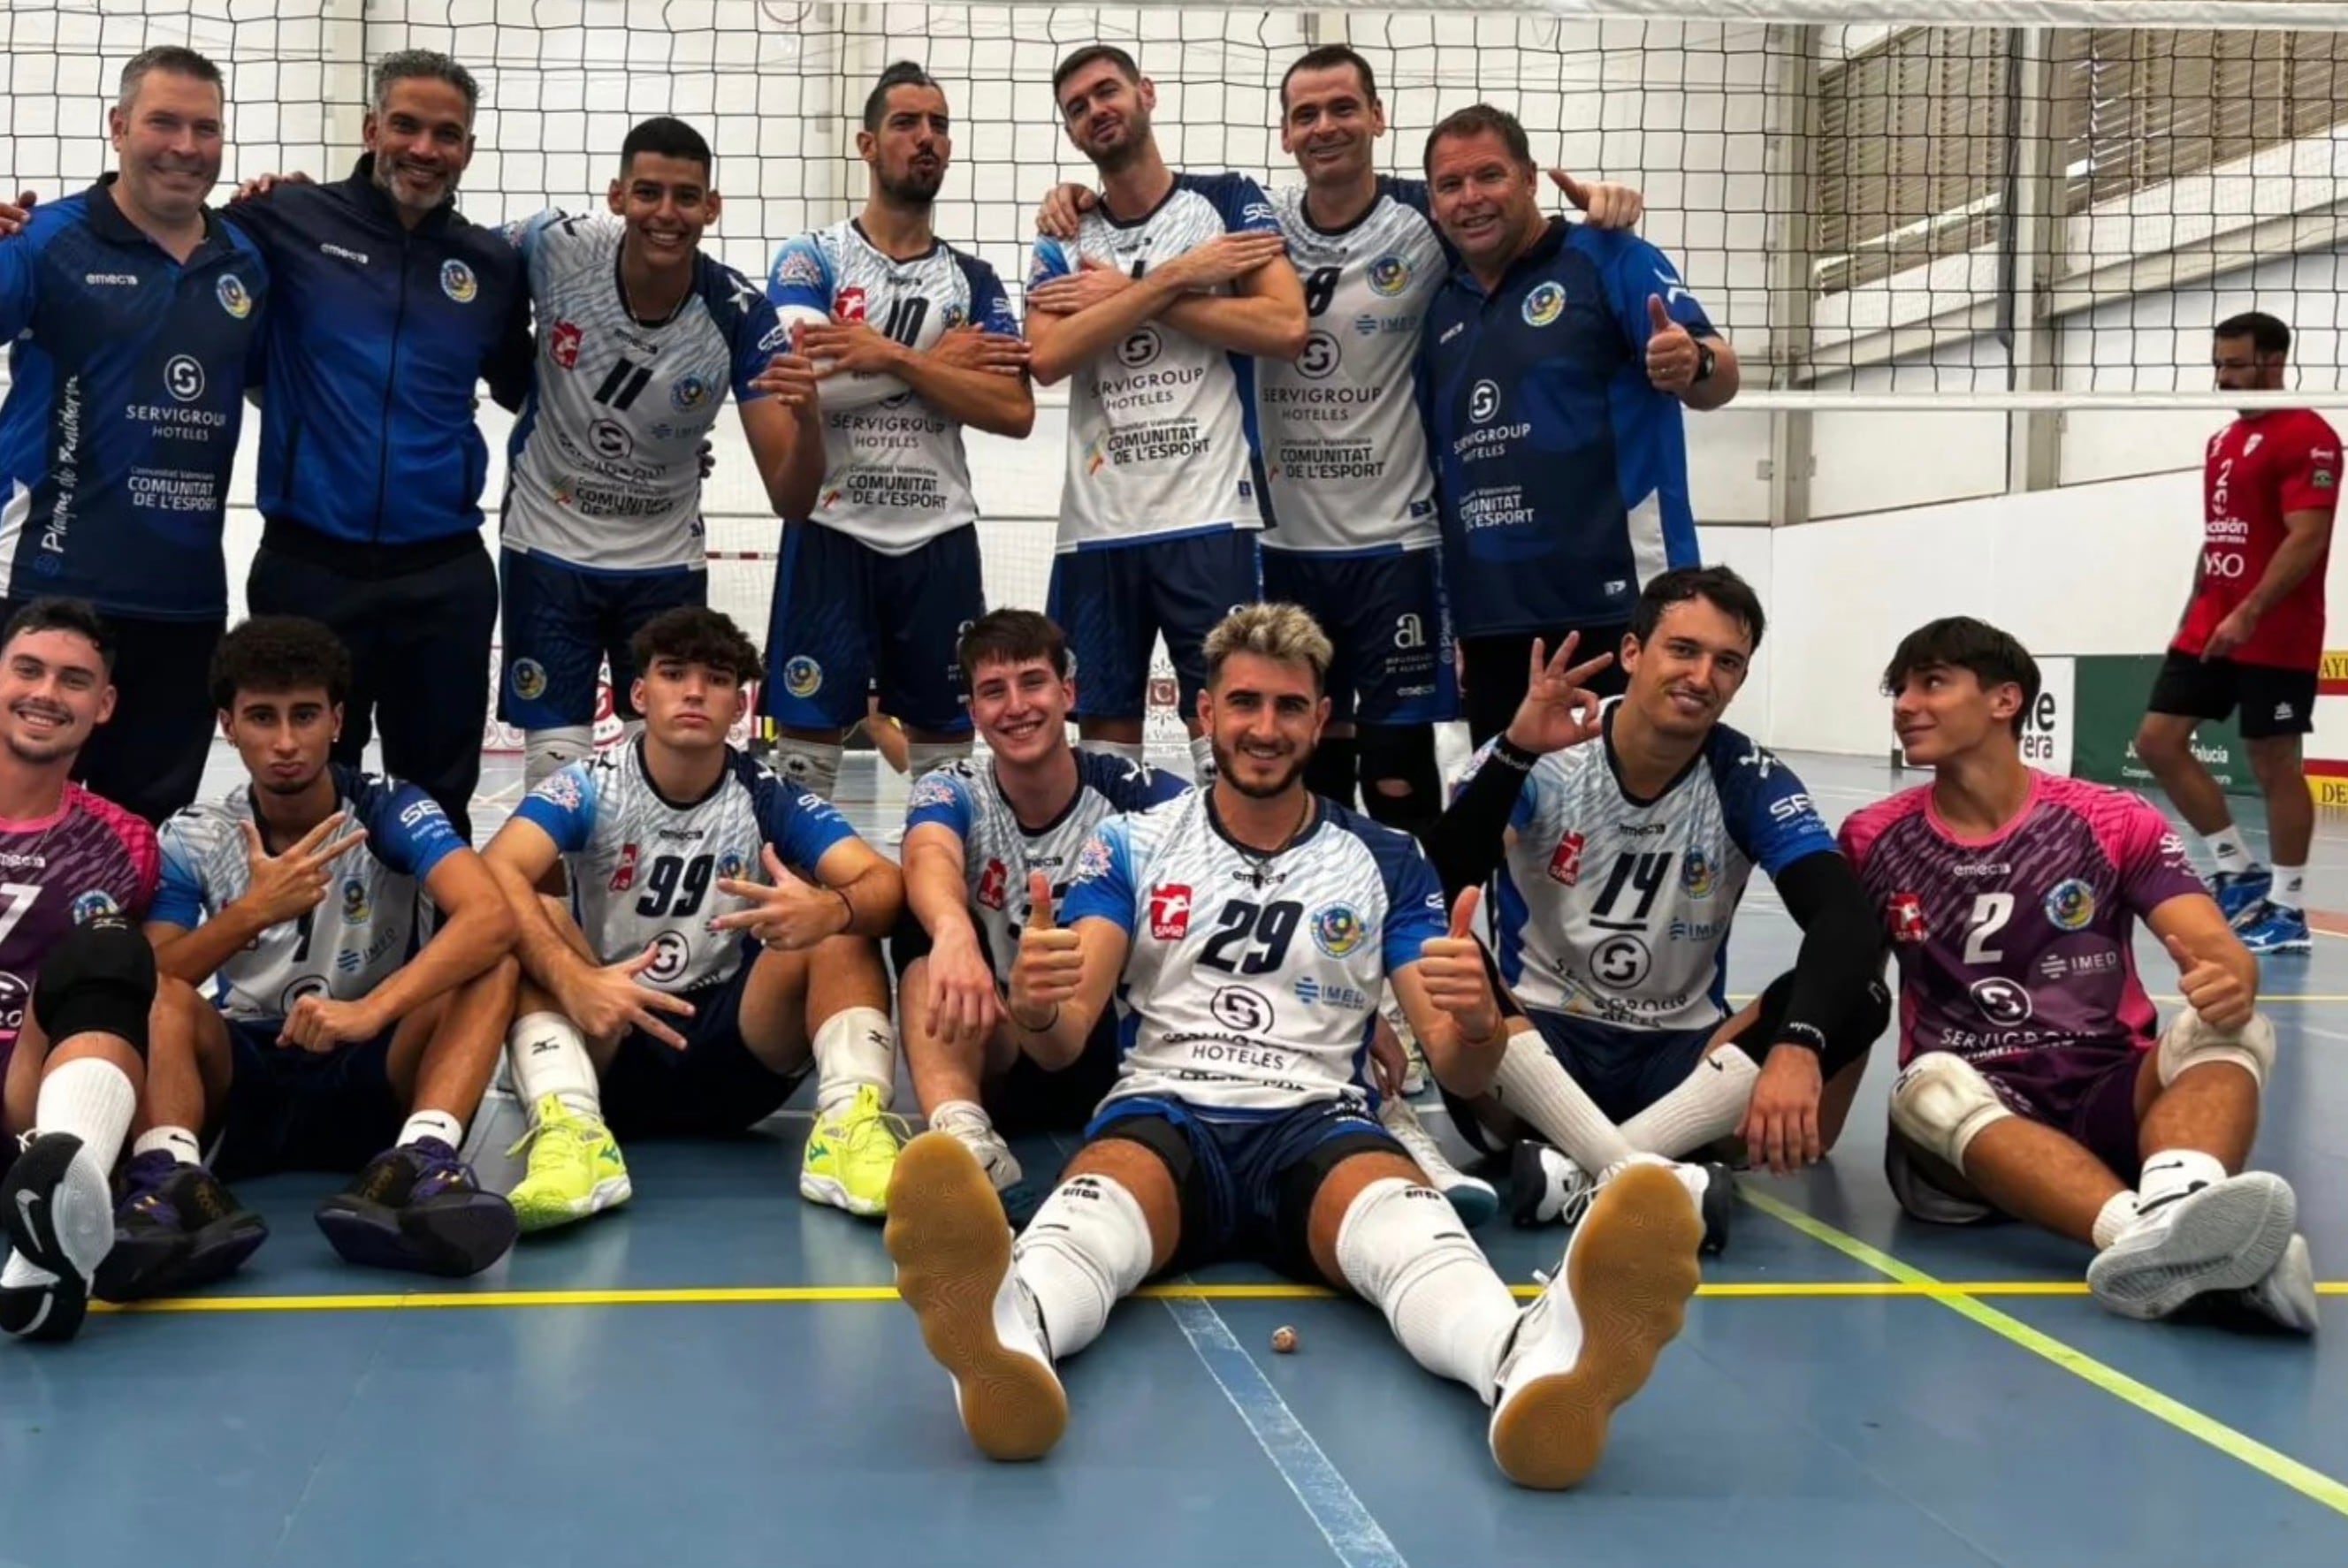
x=2049 y=202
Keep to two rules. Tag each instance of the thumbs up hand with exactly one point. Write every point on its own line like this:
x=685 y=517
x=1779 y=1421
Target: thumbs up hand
x=786 y=914
x=1671 y=351
x=1049 y=966
x=2211 y=990
x=1451 y=968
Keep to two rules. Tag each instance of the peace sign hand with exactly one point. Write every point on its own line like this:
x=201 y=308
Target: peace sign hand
x=282 y=887
x=1559 y=710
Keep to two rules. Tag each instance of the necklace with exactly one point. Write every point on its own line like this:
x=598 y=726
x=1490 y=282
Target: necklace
x=1260 y=860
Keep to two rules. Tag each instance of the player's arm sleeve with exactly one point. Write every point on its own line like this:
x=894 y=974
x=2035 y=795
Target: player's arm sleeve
x=563 y=807
x=2312 y=483
x=757 y=337
x=990 y=302
x=1842 y=947
x=1101 y=887
x=405 y=829
x=512 y=359
x=179 y=895
x=801 y=826
x=2152 y=862
x=1641 y=273
x=1414 y=906
x=1242 y=205
x=1467 y=843
x=942 y=798
x=20 y=268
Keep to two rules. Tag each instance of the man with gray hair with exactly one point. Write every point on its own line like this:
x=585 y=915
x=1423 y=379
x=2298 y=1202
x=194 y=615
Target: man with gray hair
x=390 y=307
x=132 y=312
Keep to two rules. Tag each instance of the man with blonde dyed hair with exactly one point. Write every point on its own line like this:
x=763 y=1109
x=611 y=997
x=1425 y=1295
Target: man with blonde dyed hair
x=1248 y=930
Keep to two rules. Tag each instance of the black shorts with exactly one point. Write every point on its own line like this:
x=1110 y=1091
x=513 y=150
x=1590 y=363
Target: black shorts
x=714 y=1088
x=2274 y=700
x=1495 y=670
x=296 y=1110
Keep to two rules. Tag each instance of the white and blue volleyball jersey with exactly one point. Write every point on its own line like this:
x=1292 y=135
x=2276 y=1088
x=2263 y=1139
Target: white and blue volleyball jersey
x=1253 y=981
x=643 y=870
x=1618 y=910
x=1162 y=437
x=365 y=927
x=998 y=851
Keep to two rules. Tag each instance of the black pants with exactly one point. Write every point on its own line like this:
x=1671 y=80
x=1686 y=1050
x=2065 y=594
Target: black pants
x=149 y=757
x=1497 y=669
x=420 y=646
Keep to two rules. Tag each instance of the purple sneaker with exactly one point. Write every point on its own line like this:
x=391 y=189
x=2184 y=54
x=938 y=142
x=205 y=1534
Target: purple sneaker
x=419 y=1208
x=176 y=1229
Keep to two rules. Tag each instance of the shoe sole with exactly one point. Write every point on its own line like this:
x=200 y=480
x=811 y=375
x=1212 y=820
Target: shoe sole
x=946 y=1234
x=2231 y=1239
x=1526 y=1181
x=2286 y=1298
x=50 y=1216
x=533 y=1215
x=145 y=1266
x=451 y=1241
x=1719 y=1209
x=830 y=1190
x=1631 y=1269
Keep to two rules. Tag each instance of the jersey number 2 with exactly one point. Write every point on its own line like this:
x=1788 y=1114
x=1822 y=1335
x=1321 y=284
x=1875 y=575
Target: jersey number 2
x=1991 y=912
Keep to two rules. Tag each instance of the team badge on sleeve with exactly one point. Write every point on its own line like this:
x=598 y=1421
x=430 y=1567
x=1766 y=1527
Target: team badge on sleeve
x=1093 y=860
x=931 y=790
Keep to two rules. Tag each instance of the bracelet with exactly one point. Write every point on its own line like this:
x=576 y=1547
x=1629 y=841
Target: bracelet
x=848 y=908
x=1044 y=1028
x=1808 y=1036
x=1514 y=755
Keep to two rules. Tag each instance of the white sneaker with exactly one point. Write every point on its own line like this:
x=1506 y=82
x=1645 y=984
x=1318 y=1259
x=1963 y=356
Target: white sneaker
x=2228 y=1235
x=946 y=1235
x=2287 y=1295
x=1474 y=1199
x=1588 y=1341
x=1547 y=1187
x=1414 y=1077
x=978 y=1135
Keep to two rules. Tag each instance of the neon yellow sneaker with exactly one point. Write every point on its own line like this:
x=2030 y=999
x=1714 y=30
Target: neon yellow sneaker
x=849 y=1155
x=575 y=1169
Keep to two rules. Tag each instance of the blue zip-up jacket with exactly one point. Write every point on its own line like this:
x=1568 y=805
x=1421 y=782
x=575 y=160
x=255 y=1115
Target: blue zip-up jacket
x=127 y=372
x=376 y=339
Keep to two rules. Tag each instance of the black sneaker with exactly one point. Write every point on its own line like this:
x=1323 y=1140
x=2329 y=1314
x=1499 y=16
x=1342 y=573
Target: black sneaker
x=419 y=1208
x=1718 y=1206
x=176 y=1229
x=59 y=1214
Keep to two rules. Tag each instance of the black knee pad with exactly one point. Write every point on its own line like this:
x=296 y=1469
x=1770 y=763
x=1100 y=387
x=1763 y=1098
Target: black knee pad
x=1847 y=1036
x=1329 y=773
x=101 y=980
x=1405 y=753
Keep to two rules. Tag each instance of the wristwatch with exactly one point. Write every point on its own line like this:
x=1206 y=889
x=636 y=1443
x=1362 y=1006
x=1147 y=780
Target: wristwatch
x=1703 y=362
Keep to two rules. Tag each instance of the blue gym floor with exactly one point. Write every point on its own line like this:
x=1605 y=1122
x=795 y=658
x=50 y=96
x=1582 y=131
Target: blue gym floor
x=719 y=1373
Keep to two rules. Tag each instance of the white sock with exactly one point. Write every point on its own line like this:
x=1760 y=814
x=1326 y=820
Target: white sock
x=1709 y=1103
x=2225 y=847
x=921 y=756
x=91 y=1099
x=1403 y=1247
x=545 y=753
x=813 y=765
x=2115 y=1219
x=177 y=1142
x=438 y=1125
x=548 y=1056
x=855 y=1047
x=2289 y=891
x=1202 y=760
x=1534 y=1085
x=2173 y=1173
x=1086 y=1248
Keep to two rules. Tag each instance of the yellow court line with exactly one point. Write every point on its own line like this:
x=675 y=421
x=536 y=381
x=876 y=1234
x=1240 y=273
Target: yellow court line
x=805 y=1295
x=2272 y=1463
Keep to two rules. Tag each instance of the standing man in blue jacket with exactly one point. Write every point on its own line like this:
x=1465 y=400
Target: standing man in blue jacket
x=1556 y=362
x=390 y=308
x=133 y=317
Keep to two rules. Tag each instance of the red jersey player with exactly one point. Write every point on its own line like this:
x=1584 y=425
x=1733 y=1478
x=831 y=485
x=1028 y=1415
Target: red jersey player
x=2252 y=636
x=2032 y=1082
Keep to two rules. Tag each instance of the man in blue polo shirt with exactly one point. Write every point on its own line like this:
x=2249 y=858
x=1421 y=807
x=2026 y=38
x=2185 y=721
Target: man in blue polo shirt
x=390 y=308
x=1556 y=361
x=133 y=315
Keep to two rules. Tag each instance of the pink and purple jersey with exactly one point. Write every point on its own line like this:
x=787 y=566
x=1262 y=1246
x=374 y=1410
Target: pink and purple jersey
x=91 y=857
x=2013 y=949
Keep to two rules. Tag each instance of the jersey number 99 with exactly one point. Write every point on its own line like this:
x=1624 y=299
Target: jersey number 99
x=676 y=886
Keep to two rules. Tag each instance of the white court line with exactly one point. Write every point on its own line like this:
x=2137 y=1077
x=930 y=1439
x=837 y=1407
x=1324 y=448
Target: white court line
x=1342 y=1521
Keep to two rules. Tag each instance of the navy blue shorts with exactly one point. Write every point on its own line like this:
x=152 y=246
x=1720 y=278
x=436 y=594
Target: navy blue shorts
x=1034 y=1099
x=1114 y=603
x=851 y=622
x=1246 y=1182
x=561 y=622
x=1622 y=1070
x=714 y=1088
x=296 y=1110
x=1385 y=617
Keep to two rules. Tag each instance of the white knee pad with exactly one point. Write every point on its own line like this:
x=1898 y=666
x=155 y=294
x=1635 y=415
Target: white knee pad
x=1395 y=1233
x=1087 y=1248
x=1941 y=1103
x=2190 y=1042
x=546 y=753
x=813 y=765
x=921 y=756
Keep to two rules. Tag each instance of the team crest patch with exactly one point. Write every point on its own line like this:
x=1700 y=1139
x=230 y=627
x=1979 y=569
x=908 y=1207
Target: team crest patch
x=689 y=393
x=929 y=791
x=730 y=866
x=356 y=908
x=561 y=790
x=232 y=296
x=1337 y=930
x=798 y=267
x=1696 y=874
x=954 y=316
x=1092 y=860
x=1389 y=275
x=1544 y=305
x=529 y=680
x=2070 y=903
x=802 y=676
x=94 y=905
x=458 y=282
